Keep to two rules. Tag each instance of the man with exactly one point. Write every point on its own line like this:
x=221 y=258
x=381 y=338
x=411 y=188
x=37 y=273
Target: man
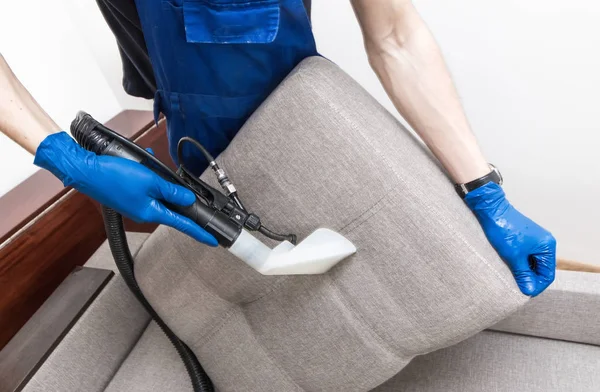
x=209 y=64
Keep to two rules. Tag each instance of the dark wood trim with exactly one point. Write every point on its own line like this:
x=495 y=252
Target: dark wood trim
x=30 y=347
x=39 y=191
x=53 y=231
x=132 y=123
x=37 y=259
x=32 y=196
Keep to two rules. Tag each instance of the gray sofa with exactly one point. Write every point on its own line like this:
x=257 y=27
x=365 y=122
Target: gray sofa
x=403 y=314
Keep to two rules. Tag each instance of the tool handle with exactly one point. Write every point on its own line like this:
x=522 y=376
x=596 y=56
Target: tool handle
x=215 y=222
x=94 y=137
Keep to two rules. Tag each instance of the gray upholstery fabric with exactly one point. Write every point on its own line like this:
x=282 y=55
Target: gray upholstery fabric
x=322 y=152
x=152 y=365
x=567 y=310
x=103 y=259
x=92 y=351
x=499 y=362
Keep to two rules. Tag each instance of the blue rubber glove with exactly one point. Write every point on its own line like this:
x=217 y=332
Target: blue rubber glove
x=126 y=186
x=528 y=249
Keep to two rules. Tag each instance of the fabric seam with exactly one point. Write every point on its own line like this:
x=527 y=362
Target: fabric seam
x=234 y=5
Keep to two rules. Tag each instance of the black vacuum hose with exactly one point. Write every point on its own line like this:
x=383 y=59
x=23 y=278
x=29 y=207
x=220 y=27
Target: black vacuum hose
x=97 y=138
x=113 y=224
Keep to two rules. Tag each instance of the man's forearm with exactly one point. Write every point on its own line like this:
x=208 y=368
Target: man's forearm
x=408 y=61
x=21 y=117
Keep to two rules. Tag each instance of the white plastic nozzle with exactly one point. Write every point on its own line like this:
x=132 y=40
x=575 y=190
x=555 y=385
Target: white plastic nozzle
x=318 y=252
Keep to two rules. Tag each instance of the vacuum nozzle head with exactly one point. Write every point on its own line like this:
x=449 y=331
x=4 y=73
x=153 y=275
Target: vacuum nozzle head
x=317 y=254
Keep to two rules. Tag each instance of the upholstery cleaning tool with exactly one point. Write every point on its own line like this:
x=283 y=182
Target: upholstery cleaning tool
x=223 y=216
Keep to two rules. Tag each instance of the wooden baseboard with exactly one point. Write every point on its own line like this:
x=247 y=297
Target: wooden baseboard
x=568 y=265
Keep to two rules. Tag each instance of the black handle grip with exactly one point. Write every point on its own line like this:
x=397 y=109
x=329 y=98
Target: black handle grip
x=92 y=136
x=215 y=222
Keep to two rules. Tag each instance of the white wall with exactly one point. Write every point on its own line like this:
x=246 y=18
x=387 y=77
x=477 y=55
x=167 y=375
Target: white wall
x=528 y=75
x=89 y=23
x=64 y=62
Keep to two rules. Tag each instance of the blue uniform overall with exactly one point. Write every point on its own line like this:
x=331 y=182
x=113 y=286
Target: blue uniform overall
x=215 y=61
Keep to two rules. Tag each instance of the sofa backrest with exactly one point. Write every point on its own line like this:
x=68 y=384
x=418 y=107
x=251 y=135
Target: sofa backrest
x=321 y=152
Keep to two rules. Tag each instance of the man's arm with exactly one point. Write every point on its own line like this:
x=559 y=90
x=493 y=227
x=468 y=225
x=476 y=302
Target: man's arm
x=123 y=185
x=409 y=63
x=21 y=118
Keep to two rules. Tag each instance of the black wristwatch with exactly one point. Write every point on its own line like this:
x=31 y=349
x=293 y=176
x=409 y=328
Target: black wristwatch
x=493 y=176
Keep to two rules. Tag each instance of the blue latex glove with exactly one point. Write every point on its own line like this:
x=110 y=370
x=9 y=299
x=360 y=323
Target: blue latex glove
x=528 y=249
x=126 y=186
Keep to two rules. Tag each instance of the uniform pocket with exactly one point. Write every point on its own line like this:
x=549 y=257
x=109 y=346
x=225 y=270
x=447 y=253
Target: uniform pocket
x=231 y=21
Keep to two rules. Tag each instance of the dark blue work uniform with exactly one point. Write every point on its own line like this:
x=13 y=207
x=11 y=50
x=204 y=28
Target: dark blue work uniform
x=213 y=61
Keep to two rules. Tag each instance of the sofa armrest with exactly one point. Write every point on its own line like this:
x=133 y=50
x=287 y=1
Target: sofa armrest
x=28 y=349
x=567 y=310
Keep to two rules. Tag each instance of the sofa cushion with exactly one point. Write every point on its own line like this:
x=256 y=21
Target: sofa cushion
x=321 y=152
x=152 y=365
x=500 y=362
x=567 y=310
x=103 y=258
x=91 y=352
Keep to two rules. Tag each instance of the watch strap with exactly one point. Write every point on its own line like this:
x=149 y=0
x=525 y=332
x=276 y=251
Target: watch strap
x=492 y=176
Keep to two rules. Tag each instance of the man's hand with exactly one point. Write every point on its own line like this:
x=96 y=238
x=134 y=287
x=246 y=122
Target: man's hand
x=125 y=186
x=528 y=249
x=128 y=187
